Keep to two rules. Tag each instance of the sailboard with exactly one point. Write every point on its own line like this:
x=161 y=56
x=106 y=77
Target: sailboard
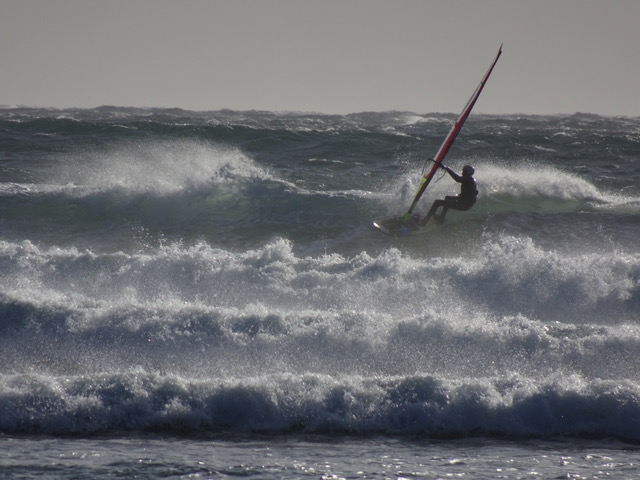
x=410 y=223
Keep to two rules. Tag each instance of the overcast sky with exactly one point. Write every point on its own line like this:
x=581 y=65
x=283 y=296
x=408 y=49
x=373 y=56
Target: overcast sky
x=332 y=56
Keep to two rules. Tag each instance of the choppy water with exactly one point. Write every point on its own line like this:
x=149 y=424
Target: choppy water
x=170 y=273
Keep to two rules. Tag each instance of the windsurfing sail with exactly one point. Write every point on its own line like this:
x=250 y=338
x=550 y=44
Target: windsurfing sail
x=453 y=133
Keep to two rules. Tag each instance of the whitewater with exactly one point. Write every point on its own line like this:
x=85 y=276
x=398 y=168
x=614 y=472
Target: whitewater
x=202 y=295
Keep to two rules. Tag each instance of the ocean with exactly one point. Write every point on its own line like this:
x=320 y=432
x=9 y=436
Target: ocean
x=202 y=295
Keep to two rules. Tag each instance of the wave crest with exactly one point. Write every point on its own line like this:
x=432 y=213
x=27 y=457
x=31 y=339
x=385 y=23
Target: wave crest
x=159 y=166
x=413 y=405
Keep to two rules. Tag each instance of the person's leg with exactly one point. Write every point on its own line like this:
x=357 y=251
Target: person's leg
x=437 y=204
x=447 y=203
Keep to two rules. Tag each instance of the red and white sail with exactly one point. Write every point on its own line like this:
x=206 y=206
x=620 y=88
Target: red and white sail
x=453 y=133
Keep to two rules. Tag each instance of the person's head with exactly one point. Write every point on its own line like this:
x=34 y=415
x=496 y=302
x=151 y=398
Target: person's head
x=468 y=170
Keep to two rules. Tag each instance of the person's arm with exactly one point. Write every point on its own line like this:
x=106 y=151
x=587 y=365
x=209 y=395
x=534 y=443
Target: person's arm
x=453 y=174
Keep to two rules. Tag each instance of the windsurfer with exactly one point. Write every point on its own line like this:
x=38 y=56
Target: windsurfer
x=464 y=201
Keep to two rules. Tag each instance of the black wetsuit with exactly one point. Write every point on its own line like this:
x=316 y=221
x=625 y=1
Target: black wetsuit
x=463 y=201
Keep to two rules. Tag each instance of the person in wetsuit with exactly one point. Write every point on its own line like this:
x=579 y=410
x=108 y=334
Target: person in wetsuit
x=463 y=201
